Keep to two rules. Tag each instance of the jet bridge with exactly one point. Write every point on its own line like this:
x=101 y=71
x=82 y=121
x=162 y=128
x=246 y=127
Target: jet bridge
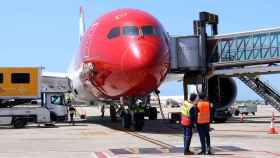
x=244 y=55
x=253 y=52
x=246 y=48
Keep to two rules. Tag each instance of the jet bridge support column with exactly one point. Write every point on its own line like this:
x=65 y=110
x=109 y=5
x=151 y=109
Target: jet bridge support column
x=200 y=25
x=185 y=88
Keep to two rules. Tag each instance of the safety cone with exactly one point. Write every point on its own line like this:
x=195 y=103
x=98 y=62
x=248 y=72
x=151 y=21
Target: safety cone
x=272 y=129
x=83 y=115
x=241 y=118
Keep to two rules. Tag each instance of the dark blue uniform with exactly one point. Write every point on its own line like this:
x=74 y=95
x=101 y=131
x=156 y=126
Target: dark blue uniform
x=203 y=126
x=188 y=130
x=204 y=136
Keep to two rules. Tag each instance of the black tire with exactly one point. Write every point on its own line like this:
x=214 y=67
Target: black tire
x=19 y=123
x=253 y=113
x=123 y=122
x=138 y=121
x=246 y=113
x=236 y=112
x=153 y=113
x=138 y=126
x=220 y=120
x=53 y=116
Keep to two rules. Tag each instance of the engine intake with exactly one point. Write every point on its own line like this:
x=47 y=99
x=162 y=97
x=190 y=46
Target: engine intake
x=224 y=97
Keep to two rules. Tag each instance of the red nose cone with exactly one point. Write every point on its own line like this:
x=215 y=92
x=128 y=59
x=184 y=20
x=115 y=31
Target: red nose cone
x=141 y=56
x=126 y=63
x=143 y=66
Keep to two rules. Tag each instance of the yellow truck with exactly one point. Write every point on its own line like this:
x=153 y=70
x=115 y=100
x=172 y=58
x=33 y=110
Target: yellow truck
x=27 y=96
x=20 y=82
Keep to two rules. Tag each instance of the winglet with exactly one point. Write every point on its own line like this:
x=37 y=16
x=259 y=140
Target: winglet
x=82 y=22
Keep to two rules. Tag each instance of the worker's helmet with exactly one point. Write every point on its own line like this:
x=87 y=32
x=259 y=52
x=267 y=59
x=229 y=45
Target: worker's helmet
x=139 y=102
x=202 y=95
x=192 y=97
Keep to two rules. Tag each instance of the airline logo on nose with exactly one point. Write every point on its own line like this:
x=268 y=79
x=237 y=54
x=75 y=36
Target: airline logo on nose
x=118 y=17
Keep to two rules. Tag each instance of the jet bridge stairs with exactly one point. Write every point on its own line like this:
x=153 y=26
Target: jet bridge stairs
x=264 y=90
x=247 y=55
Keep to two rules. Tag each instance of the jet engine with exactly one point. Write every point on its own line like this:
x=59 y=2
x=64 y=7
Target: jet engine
x=222 y=93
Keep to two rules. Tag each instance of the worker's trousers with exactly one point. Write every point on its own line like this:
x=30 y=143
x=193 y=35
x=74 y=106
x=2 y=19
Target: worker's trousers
x=72 y=119
x=187 y=137
x=204 y=136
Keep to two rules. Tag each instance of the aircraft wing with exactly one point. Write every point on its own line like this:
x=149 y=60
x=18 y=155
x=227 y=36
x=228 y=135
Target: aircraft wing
x=55 y=82
x=173 y=77
x=55 y=74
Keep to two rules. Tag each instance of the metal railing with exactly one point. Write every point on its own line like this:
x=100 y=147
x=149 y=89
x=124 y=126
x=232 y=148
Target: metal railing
x=248 y=46
x=264 y=90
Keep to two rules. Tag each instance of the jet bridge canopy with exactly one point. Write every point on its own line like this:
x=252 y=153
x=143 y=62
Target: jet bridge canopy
x=258 y=51
x=184 y=53
x=55 y=84
x=246 y=48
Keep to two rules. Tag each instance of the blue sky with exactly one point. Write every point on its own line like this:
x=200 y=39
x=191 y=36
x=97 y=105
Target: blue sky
x=45 y=33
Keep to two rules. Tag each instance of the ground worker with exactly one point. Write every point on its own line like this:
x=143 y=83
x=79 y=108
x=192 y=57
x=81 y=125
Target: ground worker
x=68 y=100
x=102 y=111
x=72 y=112
x=126 y=118
x=188 y=117
x=113 y=113
x=139 y=114
x=203 y=124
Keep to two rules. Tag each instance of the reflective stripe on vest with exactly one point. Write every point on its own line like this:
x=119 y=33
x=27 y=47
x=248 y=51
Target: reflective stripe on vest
x=203 y=115
x=185 y=119
x=139 y=110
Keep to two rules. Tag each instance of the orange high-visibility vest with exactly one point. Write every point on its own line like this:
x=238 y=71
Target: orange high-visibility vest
x=203 y=115
x=185 y=114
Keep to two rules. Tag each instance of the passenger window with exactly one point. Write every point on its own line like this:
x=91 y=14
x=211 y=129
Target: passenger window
x=20 y=77
x=115 y=32
x=57 y=100
x=1 y=77
x=131 y=31
x=148 y=30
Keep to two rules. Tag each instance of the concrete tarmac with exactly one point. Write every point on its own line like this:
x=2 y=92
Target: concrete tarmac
x=98 y=138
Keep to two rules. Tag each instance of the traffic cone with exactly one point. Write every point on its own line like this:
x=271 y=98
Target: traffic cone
x=241 y=118
x=272 y=129
x=83 y=115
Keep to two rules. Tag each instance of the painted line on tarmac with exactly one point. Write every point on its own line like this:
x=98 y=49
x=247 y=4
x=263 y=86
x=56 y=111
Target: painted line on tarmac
x=260 y=131
x=100 y=155
x=271 y=153
x=150 y=140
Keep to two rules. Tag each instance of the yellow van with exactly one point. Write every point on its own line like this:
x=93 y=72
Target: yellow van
x=20 y=82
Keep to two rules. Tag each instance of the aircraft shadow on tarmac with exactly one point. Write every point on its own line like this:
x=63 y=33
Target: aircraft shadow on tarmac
x=217 y=150
x=164 y=126
x=151 y=126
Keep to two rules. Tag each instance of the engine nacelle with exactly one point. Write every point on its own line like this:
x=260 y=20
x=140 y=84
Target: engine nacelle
x=222 y=93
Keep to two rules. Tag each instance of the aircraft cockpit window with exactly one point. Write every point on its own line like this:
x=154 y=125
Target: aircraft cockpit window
x=115 y=32
x=148 y=30
x=131 y=30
